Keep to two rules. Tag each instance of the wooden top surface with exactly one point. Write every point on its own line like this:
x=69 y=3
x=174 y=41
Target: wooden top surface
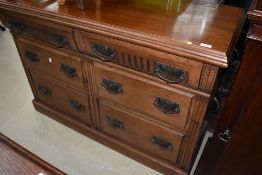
x=178 y=24
x=14 y=159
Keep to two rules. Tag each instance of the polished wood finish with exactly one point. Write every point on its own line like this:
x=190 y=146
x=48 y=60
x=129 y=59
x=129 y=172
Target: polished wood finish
x=241 y=115
x=143 y=63
x=17 y=160
x=159 y=26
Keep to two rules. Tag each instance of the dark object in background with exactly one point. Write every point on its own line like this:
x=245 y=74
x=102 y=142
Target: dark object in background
x=239 y=3
x=235 y=147
x=81 y=4
x=2 y=28
x=227 y=76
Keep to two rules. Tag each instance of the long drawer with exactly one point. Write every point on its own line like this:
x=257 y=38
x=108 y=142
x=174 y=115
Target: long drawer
x=168 y=68
x=70 y=102
x=56 y=35
x=143 y=134
x=163 y=103
x=60 y=65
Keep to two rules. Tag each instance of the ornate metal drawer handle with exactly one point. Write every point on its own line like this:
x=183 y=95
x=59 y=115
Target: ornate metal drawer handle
x=162 y=143
x=31 y=56
x=170 y=74
x=76 y=105
x=103 y=52
x=57 y=39
x=115 y=123
x=44 y=90
x=68 y=71
x=17 y=27
x=111 y=86
x=166 y=106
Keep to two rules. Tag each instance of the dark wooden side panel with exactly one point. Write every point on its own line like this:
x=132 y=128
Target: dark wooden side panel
x=243 y=84
x=242 y=116
x=17 y=160
x=243 y=154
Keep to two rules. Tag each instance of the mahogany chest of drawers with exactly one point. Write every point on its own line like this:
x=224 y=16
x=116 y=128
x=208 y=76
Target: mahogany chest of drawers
x=134 y=75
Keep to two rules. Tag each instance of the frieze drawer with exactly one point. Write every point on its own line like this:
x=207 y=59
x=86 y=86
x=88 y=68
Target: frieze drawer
x=53 y=34
x=167 y=68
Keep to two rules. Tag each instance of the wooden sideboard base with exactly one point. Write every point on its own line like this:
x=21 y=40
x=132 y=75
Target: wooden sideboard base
x=108 y=141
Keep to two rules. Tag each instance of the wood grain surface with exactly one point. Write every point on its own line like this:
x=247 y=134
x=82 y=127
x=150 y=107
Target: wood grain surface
x=160 y=55
x=175 y=27
x=14 y=160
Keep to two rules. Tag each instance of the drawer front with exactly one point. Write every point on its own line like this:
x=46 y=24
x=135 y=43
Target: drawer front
x=62 y=66
x=53 y=34
x=66 y=100
x=168 y=68
x=165 y=104
x=135 y=131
